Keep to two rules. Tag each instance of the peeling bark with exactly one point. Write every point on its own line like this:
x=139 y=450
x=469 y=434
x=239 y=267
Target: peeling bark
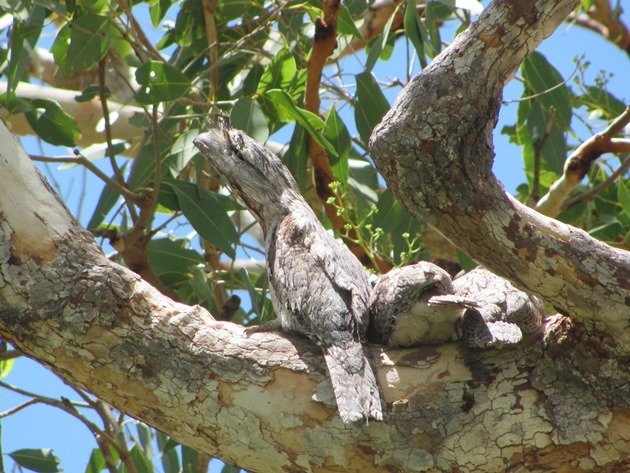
x=434 y=148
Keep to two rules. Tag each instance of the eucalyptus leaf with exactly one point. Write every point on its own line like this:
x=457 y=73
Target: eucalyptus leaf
x=52 y=124
x=371 y=105
x=207 y=215
x=160 y=82
x=247 y=115
x=41 y=460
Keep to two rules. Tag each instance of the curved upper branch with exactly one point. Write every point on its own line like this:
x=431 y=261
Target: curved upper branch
x=435 y=150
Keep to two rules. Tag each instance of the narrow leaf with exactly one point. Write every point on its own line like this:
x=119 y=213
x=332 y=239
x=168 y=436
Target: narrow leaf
x=168 y=452
x=41 y=460
x=371 y=105
x=89 y=42
x=107 y=200
x=410 y=22
x=161 y=82
x=337 y=134
x=96 y=463
x=289 y=111
x=207 y=216
x=141 y=460
x=542 y=78
x=623 y=193
x=247 y=115
x=52 y=123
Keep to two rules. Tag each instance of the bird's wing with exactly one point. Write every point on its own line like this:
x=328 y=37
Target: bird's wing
x=323 y=287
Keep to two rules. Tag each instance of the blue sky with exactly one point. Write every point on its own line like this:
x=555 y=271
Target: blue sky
x=42 y=426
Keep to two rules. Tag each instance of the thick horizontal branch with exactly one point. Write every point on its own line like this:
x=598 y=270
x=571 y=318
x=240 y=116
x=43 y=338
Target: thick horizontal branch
x=435 y=150
x=248 y=398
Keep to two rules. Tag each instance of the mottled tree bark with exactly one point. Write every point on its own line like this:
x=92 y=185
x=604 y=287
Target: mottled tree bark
x=434 y=148
x=561 y=403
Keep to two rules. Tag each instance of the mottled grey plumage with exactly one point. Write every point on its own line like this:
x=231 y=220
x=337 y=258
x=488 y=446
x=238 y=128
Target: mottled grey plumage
x=414 y=305
x=504 y=312
x=318 y=287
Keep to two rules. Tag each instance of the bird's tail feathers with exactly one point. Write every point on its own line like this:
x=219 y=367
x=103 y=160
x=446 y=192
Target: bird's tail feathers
x=354 y=384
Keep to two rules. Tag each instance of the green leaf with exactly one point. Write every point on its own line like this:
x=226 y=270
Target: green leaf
x=610 y=230
x=339 y=137
x=42 y=460
x=96 y=463
x=171 y=259
x=141 y=460
x=289 y=111
x=345 y=23
x=542 y=78
x=371 y=105
x=90 y=92
x=597 y=98
x=157 y=10
x=6 y=366
x=412 y=30
x=257 y=290
x=22 y=40
x=247 y=115
x=207 y=215
x=182 y=151
x=52 y=124
x=363 y=180
x=465 y=261
x=90 y=38
x=554 y=150
x=390 y=212
x=146 y=437
x=107 y=200
x=378 y=45
x=296 y=158
x=189 y=460
x=201 y=290
x=160 y=82
x=623 y=194
x=280 y=73
x=168 y=452
x=250 y=84
x=168 y=198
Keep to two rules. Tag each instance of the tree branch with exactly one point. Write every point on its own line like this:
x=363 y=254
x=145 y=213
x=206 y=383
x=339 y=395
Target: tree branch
x=88 y=114
x=434 y=148
x=579 y=163
x=247 y=397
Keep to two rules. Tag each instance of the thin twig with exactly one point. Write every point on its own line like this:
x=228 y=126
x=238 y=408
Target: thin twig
x=591 y=193
x=24 y=392
x=578 y=164
x=108 y=135
x=81 y=160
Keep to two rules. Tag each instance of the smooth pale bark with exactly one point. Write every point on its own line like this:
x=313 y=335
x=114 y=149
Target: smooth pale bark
x=88 y=115
x=561 y=404
x=434 y=148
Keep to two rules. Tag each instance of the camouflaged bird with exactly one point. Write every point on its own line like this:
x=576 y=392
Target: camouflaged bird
x=318 y=287
x=415 y=305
